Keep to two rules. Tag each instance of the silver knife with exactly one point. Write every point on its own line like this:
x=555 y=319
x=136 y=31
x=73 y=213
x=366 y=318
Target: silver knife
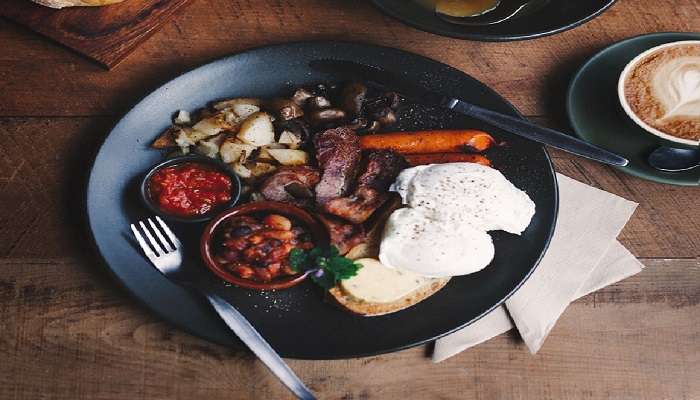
x=258 y=345
x=419 y=94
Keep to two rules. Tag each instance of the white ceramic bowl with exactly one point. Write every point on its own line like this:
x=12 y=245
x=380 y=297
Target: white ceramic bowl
x=625 y=105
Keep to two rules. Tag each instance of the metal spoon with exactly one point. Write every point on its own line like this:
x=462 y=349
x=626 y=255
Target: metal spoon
x=505 y=10
x=671 y=159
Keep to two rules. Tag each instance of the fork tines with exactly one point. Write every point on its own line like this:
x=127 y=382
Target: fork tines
x=155 y=247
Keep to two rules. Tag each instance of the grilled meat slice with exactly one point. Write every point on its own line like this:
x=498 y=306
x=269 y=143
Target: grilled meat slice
x=338 y=156
x=380 y=169
x=343 y=235
x=291 y=185
x=359 y=206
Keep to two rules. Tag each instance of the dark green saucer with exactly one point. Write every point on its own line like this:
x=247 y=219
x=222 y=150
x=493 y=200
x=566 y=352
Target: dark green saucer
x=597 y=116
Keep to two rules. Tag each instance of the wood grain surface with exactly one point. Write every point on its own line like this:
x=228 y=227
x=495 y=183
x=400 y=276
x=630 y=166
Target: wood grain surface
x=105 y=34
x=68 y=331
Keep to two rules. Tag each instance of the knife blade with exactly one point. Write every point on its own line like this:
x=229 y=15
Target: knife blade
x=421 y=95
x=258 y=345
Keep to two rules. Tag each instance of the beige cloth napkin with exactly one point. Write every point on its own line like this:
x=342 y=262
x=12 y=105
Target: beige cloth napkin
x=583 y=257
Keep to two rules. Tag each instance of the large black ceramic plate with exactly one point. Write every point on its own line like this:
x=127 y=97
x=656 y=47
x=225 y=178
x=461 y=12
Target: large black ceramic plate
x=297 y=322
x=553 y=17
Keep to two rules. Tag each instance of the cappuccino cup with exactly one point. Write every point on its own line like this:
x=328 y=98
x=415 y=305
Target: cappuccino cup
x=660 y=91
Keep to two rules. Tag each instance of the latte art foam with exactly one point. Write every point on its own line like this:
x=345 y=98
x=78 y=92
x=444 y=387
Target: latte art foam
x=677 y=86
x=663 y=90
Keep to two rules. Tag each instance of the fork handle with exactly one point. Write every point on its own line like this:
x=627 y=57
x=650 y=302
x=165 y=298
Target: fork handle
x=258 y=345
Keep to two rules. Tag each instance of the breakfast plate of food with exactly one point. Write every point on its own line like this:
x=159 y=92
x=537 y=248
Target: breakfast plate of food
x=339 y=218
x=494 y=20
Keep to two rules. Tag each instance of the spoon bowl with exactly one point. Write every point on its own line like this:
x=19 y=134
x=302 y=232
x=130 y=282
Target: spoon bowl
x=672 y=159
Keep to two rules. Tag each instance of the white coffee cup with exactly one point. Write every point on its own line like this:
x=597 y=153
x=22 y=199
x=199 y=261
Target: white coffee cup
x=623 y=98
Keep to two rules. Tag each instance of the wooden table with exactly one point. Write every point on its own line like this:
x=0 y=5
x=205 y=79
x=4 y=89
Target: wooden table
x=67 y=331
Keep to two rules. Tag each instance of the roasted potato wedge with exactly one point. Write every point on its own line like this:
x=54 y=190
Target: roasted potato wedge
x=241 y=170
x=244 y=107
x=166 y=139
x=187 y=136
x=289 y=156
x=183 y=118
x=221 y=121
x=257 y=130
x=258 y=169
x=210 y=147
x=264 y=155
x=232 y=151
x=290 y=139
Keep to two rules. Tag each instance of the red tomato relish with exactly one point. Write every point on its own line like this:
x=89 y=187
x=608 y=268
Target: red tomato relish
x=189 y=189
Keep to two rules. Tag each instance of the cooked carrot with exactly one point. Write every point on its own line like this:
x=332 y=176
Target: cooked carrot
x=438 y=141
x=442 y=158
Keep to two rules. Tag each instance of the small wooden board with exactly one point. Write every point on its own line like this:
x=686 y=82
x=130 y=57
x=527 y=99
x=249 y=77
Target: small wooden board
x=105 y=34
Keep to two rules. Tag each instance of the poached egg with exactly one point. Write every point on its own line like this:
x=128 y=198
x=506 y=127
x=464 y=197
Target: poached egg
x=450 y=208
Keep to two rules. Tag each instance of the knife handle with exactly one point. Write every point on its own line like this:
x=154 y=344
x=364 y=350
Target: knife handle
x=538 y=133
x=258 y=345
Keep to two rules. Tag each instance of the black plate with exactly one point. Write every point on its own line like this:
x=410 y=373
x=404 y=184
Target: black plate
x=554 y=17
x=297 y=322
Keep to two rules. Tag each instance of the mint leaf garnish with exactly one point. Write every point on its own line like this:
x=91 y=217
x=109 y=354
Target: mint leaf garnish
x=328 y=267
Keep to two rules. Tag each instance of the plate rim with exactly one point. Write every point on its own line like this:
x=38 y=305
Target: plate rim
x=493 y=38
x=151 y=309
x=583 y=69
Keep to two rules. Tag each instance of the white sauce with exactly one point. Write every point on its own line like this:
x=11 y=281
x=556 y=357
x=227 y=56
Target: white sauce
x=450 y=208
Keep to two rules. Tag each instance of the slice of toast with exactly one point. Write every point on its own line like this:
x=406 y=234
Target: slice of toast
x=367 y=309
x=370 y=249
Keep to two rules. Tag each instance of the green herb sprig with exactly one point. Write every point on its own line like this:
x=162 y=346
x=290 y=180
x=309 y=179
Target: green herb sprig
x=326 y=266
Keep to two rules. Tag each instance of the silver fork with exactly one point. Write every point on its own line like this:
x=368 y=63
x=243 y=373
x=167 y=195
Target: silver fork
x=166 y=256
